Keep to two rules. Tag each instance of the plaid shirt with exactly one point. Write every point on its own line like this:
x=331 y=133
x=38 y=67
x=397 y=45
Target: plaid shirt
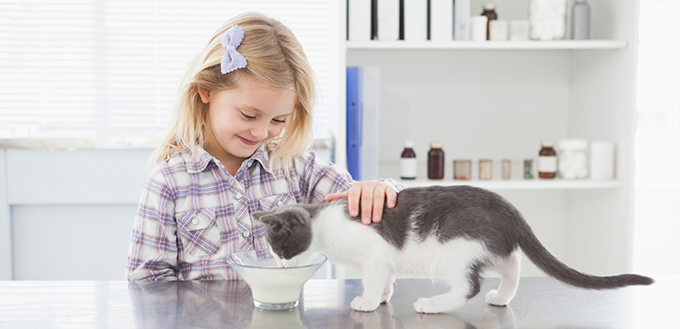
x=193 y=214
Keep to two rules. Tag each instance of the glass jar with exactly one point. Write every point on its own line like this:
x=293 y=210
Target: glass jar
x=435 y=161
x=572 y=161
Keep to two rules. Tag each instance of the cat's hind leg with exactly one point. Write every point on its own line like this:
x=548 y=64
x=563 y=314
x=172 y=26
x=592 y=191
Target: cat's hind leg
x=509 y=270
x=455 y=298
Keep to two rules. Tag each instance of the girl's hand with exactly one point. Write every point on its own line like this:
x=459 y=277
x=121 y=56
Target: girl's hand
x=372 y=196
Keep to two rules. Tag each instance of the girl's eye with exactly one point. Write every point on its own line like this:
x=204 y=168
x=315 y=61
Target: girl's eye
x=249 y=117
x=279 y=121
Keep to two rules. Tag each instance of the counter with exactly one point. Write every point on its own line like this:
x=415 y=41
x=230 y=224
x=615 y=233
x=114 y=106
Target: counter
x=540 y=303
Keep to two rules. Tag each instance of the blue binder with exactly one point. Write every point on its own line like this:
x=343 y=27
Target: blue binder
x=354 y=121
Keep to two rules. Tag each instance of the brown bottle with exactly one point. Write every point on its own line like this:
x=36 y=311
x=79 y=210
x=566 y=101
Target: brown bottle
x=547 y=160
x=435 y=161
x=490 y=13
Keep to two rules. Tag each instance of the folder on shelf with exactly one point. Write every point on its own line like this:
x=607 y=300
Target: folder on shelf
x=370 y=91
x=388 y=20
x=363 y=105
x=415 y=20
x=359 y=20
x=354 y=118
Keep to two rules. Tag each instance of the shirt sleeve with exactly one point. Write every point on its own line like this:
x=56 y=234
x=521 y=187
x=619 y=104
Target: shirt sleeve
x=152 y=254
x=319 y=177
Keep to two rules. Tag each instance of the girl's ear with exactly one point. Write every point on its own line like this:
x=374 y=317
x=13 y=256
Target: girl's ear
x=204 y=93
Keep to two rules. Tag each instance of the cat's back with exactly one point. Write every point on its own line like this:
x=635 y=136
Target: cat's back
x=449 y=212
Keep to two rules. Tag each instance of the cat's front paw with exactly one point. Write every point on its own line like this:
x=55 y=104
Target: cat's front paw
x=361 y=304
x=426 y=305
x=495 y=300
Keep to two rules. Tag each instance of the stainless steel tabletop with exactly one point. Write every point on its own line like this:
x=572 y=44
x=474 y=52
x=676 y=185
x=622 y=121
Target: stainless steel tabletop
x=540 y=303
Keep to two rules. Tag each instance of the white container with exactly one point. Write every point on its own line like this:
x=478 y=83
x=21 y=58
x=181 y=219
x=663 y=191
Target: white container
x=602 y=160
x=519 y=30
x=498 y=30
x=478 y=28
x=572 y=162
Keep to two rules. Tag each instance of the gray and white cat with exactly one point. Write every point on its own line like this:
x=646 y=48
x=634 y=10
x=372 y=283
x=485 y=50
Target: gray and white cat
x=450 y=233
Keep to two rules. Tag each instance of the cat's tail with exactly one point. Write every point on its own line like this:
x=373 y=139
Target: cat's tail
x=542 y=258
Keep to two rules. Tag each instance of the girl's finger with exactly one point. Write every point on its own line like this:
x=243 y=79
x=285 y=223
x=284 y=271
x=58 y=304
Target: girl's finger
x=367 y=203
x=353 y=198
x=378 y=202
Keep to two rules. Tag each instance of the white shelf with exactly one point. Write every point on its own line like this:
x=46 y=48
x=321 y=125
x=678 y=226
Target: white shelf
x=484 y=45
x=520 y=184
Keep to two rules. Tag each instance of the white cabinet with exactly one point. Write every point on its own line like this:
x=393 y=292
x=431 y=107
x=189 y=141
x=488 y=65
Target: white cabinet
x=498 y=100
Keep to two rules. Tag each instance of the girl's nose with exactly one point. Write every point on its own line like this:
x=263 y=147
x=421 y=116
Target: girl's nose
x=260 y=131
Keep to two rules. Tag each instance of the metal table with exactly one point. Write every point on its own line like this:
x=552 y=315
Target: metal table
x=540 y=303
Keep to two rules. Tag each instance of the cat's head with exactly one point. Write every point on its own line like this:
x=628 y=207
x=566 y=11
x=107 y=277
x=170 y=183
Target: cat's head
x=288 y=230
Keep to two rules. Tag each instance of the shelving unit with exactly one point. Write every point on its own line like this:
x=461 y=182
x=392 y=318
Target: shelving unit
x=516 y=184
x=498 y=100
x=491 y=45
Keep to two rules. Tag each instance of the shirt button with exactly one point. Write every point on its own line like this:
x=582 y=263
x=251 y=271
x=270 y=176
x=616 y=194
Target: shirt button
x=246 y=234
x=238 y=195
x=194 y=221
x=279 y=203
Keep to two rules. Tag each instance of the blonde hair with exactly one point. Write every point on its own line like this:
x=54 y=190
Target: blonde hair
x=275 y=57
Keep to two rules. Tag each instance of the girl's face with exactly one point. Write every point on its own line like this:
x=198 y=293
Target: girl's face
x=241 y=119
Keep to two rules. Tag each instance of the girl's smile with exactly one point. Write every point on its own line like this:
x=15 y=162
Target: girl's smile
x=248 y=142
x=241 y=119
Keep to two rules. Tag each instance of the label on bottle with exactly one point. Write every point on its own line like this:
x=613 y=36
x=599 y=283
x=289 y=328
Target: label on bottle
x=408 y=167
x=547 y=164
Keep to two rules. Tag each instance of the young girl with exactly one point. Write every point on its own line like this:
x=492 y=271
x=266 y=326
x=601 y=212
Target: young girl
x=238 y=145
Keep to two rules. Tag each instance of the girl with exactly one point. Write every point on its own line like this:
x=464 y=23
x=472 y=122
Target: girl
x=238 y=145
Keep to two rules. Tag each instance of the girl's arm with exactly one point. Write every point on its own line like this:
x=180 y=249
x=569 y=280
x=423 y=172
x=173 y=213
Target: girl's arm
x=152 y=254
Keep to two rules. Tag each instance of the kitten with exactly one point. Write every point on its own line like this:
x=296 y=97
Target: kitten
x=449 y=233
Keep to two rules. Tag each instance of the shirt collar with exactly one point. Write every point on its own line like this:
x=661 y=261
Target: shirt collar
x=200 y=159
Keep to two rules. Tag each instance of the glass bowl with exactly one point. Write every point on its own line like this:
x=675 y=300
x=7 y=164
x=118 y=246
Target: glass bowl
x=274 y=286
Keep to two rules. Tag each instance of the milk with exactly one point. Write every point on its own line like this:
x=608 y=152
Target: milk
x=276 y=285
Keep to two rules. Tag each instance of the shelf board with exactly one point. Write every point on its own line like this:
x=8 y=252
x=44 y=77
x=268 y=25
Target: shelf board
x=517 y=184
x=489 y=45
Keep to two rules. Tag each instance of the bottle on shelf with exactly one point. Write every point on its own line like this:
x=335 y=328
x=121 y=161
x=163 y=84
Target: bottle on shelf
x=435 y=161
x=489 y=10
x=547 y=160
x=580 y=20
x=408 y=166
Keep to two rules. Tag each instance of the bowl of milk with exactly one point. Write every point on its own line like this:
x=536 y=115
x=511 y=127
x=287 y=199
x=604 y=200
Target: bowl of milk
x=275 y=286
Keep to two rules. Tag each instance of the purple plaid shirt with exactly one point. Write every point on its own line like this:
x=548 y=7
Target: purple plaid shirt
x=193 y=213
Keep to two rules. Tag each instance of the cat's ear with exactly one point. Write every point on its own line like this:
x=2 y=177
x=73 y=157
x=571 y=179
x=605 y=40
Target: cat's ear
x=259 y=214
x=274 y=223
